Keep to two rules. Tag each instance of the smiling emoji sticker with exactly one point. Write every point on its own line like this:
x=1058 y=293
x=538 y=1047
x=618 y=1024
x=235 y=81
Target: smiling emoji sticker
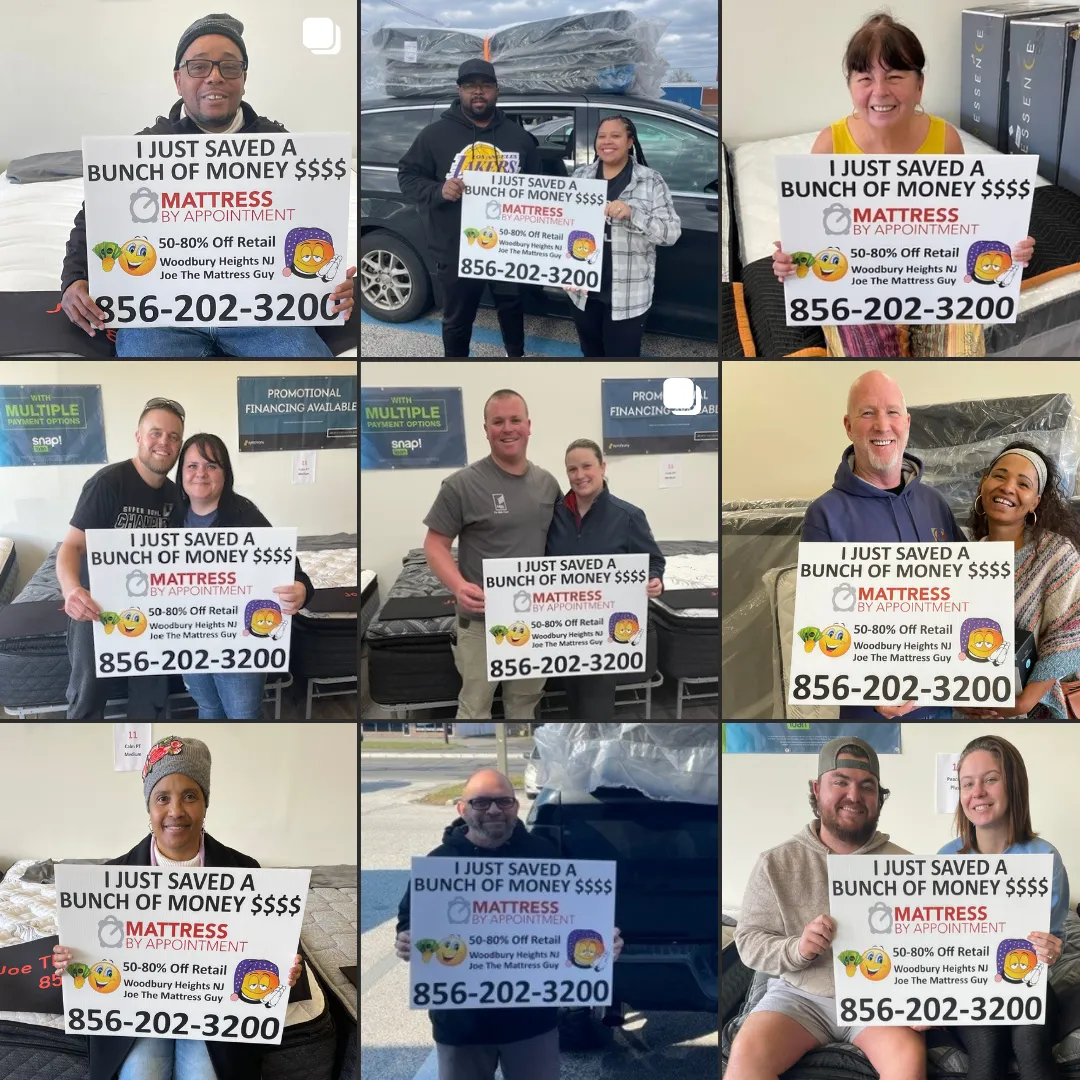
x=452 y=951
x=104 y=977
x=835 y=640
x=137 y=257
x=830 y=264
x=130 y=623
x=876 y=964
x=518 y=633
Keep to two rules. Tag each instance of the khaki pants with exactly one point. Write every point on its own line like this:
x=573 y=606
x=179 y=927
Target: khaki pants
x=520 y=696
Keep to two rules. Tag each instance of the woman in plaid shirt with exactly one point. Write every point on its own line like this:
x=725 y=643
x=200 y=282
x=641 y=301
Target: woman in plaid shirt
x=639 y=215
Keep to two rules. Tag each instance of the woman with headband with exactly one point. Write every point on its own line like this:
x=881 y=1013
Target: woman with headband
x=1020 y=501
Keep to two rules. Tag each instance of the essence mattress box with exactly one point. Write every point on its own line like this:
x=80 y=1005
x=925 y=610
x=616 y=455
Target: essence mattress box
x=984 y=66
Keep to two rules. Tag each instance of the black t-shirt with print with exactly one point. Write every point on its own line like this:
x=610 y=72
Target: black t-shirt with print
x=117 y=497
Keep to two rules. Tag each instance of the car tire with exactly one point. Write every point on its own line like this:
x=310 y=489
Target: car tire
x=583 y=1030
x=394 y=283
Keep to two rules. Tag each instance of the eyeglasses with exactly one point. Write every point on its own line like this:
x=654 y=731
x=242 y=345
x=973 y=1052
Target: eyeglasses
x=230 y=69
x=477 y=86
x=165 y=403
x=503 y=803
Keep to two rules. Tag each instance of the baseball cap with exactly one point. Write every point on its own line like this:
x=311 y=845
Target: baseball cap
x=476 y=69
x=831 y=757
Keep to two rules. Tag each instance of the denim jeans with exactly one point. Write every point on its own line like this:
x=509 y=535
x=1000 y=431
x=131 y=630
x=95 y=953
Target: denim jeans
x=221 y=341
x=168 y=1059
x=227 y=697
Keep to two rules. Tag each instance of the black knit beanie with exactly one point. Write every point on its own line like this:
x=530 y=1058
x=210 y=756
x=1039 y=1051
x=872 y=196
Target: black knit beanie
x=212 y=24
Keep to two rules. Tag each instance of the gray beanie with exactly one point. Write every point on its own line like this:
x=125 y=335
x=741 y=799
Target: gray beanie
x=175 y=755
x=212 y=24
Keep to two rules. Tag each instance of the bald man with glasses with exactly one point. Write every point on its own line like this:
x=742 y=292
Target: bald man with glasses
x=470 y=1043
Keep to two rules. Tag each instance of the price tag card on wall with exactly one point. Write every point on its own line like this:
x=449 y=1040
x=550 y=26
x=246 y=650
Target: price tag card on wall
x=179 y=600
x=878 y=624
x=940 y=939
x=131 y=741
x=903 y=238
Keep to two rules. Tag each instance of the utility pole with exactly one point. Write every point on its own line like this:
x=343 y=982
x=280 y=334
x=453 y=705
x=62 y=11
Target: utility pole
x=500 y=749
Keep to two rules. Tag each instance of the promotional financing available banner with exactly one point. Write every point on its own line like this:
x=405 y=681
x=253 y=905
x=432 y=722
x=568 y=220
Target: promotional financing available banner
x=220 y=230
x=637 y=419
x=51 y=425
x=879 y=624
x=296 y=412
x=565 y=615
x=200 y=600
x=179 y=953
x=903 y=238
x=410 y=427
x=542 y=230
x=939 y=939
x=511 y=933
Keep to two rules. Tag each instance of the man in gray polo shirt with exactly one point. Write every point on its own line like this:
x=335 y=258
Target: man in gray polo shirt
x=498 y=508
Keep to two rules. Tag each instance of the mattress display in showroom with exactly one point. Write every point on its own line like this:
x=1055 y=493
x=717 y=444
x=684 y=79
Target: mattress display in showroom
x=324 y=641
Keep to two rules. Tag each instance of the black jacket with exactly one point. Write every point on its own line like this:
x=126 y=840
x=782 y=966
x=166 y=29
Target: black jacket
x=439 y=153
x=611 y=527
x=236 y=512
x=231 y=1061
x=75 y=267
x=479 y=1027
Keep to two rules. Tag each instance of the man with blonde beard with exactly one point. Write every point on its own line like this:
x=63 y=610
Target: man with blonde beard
x=877 y=497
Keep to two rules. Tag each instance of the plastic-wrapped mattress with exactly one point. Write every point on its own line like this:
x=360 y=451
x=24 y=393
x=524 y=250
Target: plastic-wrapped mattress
x=609 y=52
x=687 y=640
x=410 y=660
x=324 y=643
x=369 y=599
x=33 y=1046
x=9 y=569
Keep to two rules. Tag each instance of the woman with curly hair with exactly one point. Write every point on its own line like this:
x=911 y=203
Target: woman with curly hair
x=1020 y=500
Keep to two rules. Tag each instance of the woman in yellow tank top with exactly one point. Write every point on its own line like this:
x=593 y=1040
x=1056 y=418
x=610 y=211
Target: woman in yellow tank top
x=883 y=65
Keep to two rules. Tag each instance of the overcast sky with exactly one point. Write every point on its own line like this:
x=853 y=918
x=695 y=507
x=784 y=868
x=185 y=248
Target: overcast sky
x=690 y=42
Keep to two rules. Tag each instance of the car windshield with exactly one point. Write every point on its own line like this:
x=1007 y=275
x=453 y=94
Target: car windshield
x=687 y=158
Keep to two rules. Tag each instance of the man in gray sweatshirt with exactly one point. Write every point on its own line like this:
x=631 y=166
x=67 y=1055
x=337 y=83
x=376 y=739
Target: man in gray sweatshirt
x=785 y=929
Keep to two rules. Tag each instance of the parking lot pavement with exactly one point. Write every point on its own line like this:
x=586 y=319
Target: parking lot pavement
x=395 y=1041
x=544 y=336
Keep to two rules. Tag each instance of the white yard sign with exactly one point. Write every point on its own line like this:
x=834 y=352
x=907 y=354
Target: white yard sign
x=511 y=933
x=939 y=939
x=903 y=238
x=877 y=624
x=565 y=615
x=179 y=953
x=219 y=230
x=190 y=600
x=541 y=230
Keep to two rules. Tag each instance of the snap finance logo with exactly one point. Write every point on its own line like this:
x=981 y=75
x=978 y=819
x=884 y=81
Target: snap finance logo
x=405 y=447
x=46 y=444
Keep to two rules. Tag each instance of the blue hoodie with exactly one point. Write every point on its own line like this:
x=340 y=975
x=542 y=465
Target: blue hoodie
x=853 y=510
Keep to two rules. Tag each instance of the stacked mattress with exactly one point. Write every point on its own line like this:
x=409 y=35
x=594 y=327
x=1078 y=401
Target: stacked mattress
x=324 y=643
x=9 y=570
x=328 y=938
x=410 y=660
x=369 y=599
x=33 y=1046
x=688 y=640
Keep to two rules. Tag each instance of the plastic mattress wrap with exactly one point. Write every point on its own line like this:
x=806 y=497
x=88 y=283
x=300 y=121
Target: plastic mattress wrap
x=958 y=439
x=675 y=762
x=756 y=537
x=611 y=52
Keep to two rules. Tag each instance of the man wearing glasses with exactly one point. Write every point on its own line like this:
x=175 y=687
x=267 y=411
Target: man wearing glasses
x=132 y=494
x=210 y=73
x=471 y=134
x=470 y=1043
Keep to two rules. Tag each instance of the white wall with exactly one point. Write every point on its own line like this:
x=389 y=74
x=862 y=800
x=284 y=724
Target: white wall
x=564 y=405
x=782 y=73
x=285 y=794
x=70 y=68
x=37 y=501
x=764 y=796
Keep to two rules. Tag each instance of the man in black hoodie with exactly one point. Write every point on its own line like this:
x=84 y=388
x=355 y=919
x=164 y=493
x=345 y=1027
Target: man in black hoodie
x=471 y=1042
x=212 y=105
x=471 y=134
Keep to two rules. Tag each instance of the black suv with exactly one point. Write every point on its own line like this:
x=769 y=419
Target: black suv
x=666 y=902
x=397 y=282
